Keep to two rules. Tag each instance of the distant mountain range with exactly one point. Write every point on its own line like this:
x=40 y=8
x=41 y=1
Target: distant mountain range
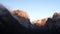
x=38 y=21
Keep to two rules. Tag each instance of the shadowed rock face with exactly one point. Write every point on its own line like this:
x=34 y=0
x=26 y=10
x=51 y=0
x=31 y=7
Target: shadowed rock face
x=56 y=19
x=46 y=24
x=22 y=17
x=53 y=24
x=8 y=24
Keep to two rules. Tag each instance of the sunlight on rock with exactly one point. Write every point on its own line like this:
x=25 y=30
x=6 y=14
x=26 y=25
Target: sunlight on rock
x=21 y=13
x=33 y=21
x=56 y=14
x=39 y=22
x=42 y=21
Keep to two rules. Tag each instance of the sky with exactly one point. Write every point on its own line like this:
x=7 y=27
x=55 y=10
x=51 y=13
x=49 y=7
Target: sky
x=36 y=9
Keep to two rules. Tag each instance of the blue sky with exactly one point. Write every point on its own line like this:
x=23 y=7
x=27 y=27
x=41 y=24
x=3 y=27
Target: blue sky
x=35 y=8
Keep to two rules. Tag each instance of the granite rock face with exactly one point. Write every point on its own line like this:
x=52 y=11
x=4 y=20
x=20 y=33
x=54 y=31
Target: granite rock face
x=8 y=23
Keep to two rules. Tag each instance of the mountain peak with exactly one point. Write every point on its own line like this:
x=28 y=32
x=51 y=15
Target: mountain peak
x=20 y=13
